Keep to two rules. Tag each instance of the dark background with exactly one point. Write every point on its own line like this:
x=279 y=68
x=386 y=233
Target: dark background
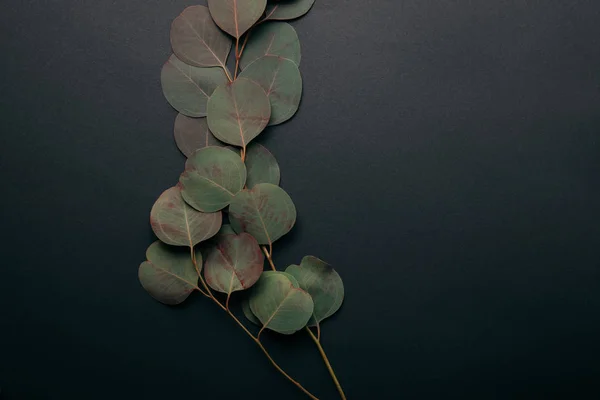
x=445 y=160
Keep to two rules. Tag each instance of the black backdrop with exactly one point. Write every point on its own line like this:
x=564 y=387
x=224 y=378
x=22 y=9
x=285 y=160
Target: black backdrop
x=445 y=160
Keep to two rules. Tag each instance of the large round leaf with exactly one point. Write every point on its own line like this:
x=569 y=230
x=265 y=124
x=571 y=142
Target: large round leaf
x=188 y=88
x=280 y=79
x=192 y=134
x=234 y=264
x=169 y=274
x=212 y=176
x=236 y=16
x=323 y=283
x=261 y=165
x=280 y=306
x=196 y=40
x=266 y=212
x=246 y=300
x=176 y=223
x=288 y=9
x=272 y=39
x=238 y=112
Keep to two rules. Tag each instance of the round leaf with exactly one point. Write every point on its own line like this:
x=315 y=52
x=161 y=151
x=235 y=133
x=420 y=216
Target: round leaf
x=212 y=176
x=196 y=40
x=266 y=212
x=234 y=264
x=176 y=223
x=169 y=274
x=323 y=283
x=280 y=306
x=236 y=16
x=280 y=79
x=261 y=165
x=188 y=88
x=246 y=303
x=288 y=9
x=192 y=134
x=272 y=39
x=238 y=112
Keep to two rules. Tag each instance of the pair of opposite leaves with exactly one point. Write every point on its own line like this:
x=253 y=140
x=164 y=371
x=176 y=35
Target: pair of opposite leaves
x=284 y=302
x=268 y=90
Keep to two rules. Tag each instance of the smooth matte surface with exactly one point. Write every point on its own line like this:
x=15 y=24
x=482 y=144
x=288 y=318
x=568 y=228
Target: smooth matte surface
x=445 y=160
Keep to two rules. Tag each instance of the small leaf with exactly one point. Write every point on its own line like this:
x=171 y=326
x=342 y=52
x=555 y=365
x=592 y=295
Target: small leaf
x=248 y=312
x=192 y=134
x=266 y=212
x=212 y=176
x=196 y=40
x=188 y=88
x=272 y=39
x=279 y=305
x=288 y=9
x=234 y=264
x=236 y=16
x=246 y=303
x=238 y=112
x=280 y=79
x=176 y=223
x=323 y=283
x=262 y=167
x=169 y=274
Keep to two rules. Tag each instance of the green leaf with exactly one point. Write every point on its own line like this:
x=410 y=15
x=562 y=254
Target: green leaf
x=188 y=88
x=262 y=167
x=323 y=283
x=212 y=176
x=280 y=79
x=266 y=212
x=176 y=223
x=248 y=312
x=226 y=229
x=272 y=39
x=288 y=9
x=234 y=264
x=196 y=40
x=280 y=306
x=192 y=134
x=236 y=16
x=169 y=274
x=238 y=112
x=246 y=300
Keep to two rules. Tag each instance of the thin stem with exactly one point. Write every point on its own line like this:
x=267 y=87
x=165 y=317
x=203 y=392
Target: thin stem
x=309 y=394
x=318 y=331
x=197 y=271
x=327 y=364
x=227 y=73
x=269 y=257
x=243 y=154
x=254 y=338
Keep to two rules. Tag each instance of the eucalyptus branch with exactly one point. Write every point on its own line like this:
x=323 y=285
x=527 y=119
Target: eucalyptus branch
x=217 y=111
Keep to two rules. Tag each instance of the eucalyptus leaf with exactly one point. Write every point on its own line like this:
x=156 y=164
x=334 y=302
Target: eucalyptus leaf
x=188 y=88
x=236 y=16
x=279 y=306
x=281 y=80
x=272 y=39
x=212 y=177
x=192 y=134
x=238 y=112
x=226 y=229
x=234 y=264
x=323 y=283
x=246 y=303
x=176 y=223
x=169 y=274
x=266 y=212
x=288 y=9
x=261 y=166
x=196 y=40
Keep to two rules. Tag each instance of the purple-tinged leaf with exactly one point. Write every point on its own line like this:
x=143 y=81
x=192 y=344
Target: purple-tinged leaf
x=236 y=16
x=261 y=165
